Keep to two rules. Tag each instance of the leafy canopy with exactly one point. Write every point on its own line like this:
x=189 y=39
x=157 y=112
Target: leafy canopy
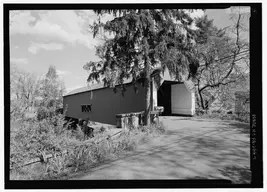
x=52 y=88
x=143 y=40
x=223 y=56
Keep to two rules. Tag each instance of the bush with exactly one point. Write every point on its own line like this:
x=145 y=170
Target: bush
x=225 y=116
x=244 y=117
x=35 y=137
x=153 y=128
x=70 y=152
x=102 y=129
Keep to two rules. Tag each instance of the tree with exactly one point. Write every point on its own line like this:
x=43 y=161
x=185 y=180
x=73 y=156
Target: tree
x=29 y=92
x=52 y=89
x=51 y=92
x=224 y=58
x=143 y=40
x=24 y=88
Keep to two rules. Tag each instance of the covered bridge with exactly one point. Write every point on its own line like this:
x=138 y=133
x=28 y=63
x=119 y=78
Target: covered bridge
x=101 y=104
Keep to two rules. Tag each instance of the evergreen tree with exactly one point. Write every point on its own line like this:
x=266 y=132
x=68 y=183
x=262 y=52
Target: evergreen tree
x=52 y=90
x=143 y=40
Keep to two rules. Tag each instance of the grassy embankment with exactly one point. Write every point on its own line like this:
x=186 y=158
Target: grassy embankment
x=71 y=153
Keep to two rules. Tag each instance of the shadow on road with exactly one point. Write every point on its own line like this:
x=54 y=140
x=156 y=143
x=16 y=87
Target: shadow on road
x=241 y=127
x=210 y=153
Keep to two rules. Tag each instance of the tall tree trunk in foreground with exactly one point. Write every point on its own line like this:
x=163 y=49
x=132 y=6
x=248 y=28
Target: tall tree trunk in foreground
x=148 y=94
x=147 y=102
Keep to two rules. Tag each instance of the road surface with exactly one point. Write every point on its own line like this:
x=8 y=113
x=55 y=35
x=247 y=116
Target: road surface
x=190 y=148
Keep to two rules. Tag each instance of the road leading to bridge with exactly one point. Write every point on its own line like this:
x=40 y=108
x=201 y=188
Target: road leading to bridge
x=190 y=148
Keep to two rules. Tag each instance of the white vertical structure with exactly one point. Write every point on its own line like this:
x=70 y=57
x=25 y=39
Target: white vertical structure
x=155 y=94
x=183 y=99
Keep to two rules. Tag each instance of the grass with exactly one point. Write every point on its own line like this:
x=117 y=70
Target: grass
x=33 y=138
x=216 y=115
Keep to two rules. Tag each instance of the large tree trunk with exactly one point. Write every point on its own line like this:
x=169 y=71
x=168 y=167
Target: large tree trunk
x=148 y=94
x=147 y=101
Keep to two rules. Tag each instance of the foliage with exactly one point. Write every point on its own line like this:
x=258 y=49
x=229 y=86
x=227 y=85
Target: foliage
x=52 y=88
x=142 y=41
x=30 y=94
x=49 y=136
x=224 y=58
x=223 y=115
x=24 y=88
x=34 y=137
x=51 y=92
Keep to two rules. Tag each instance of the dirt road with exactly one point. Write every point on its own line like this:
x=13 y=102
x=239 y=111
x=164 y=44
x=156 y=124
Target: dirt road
x=190 y=148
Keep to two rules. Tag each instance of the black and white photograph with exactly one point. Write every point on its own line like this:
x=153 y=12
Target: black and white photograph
x=158 y=93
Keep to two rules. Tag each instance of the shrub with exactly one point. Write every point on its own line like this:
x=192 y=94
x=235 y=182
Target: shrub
x=79 y=133
x=226 y=116
x=32 y=137
x=244 y=117
x=50 y=136
x=102 y=129
x=153 y=128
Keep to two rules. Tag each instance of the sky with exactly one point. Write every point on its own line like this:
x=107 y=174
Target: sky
x=61 y=38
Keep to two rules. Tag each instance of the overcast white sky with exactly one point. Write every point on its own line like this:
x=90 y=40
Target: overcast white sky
x=42 y=38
